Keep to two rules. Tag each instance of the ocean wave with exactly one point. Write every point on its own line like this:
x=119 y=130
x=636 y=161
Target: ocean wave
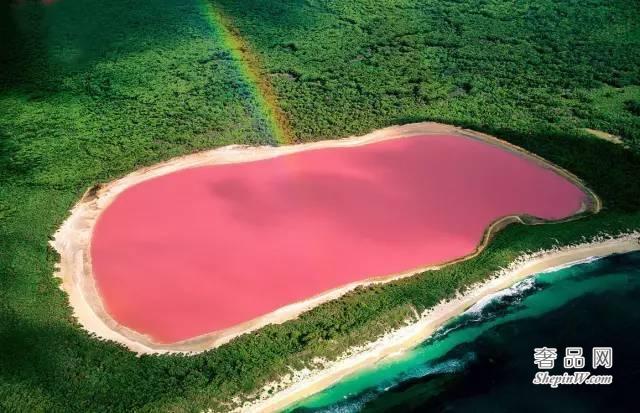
x=351 y=404
x=355 y=403
x=428 y=369
x=488 y=307
x=571 y=264
x=519 y=290
x=447 y=366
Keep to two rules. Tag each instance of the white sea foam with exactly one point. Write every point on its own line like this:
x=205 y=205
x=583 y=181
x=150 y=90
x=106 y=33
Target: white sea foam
x=570 y=264
x=354 y=404
x=515 y=290
x=447 y=366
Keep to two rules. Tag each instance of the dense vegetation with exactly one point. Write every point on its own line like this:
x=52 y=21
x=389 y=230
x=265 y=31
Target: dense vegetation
x=347 y=67
x=90 y=90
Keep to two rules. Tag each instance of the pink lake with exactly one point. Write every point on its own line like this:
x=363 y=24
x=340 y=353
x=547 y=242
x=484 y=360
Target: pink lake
x=207 y=248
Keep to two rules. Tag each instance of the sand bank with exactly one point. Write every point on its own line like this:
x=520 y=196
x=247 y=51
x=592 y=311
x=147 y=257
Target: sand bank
x=302 y=384
x=73 y=239
x=605 y=135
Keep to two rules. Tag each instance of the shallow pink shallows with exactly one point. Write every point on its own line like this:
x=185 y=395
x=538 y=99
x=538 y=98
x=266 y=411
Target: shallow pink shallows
x=203 y=249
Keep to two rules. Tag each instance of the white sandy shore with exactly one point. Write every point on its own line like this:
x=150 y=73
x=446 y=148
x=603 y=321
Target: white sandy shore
x=605 y=135
x=73 y=239
x=302 y=384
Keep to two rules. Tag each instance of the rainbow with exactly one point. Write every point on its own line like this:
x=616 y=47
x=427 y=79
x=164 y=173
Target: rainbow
x=249 y=69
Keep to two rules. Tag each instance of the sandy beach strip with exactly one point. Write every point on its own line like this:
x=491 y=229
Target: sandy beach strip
x=302 y=384
x=73 y=239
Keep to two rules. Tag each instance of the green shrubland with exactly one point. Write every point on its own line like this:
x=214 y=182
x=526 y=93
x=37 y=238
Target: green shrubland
x=344 y=67
x=91 y=90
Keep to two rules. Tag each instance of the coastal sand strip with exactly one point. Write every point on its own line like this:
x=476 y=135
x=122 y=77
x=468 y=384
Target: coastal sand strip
x=307 y=383
x=73 y=239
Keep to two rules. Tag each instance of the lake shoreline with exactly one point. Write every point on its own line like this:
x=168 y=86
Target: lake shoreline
x=73 y=239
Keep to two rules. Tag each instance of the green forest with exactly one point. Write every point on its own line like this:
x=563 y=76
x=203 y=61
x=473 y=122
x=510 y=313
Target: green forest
x=348 y=67
x=91 y=90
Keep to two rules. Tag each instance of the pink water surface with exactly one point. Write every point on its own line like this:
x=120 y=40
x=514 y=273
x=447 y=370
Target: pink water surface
x=203 y=249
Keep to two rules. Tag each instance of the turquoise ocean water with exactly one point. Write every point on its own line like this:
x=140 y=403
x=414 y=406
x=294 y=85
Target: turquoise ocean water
x=483 y=361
